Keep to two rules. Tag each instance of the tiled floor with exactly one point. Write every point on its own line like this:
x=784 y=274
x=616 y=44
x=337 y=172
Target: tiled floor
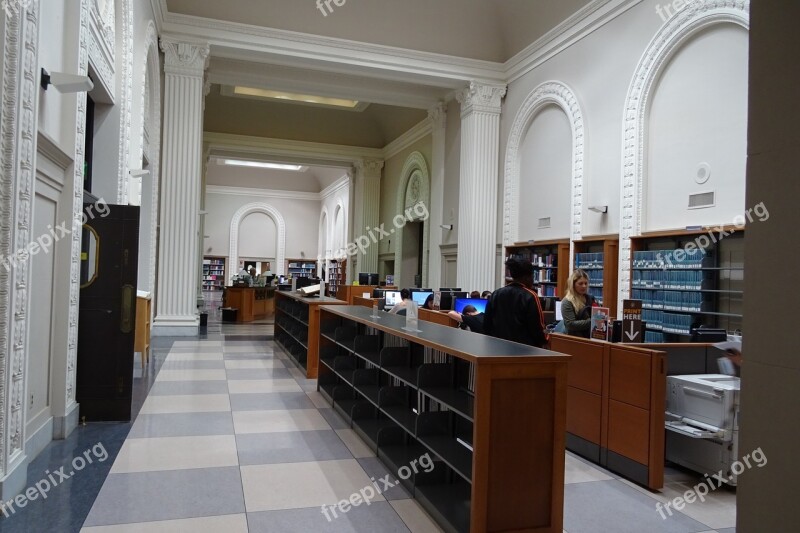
x=232 y=438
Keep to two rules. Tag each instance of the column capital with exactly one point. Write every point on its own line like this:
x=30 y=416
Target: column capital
x=481 y=97
x=369 y=168
x=184 y=58
x=438 y=115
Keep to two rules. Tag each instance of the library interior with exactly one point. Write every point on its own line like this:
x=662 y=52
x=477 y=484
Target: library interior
x=461 y=266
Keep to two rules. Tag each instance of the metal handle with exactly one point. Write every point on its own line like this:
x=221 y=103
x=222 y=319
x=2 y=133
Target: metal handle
x=127 y=317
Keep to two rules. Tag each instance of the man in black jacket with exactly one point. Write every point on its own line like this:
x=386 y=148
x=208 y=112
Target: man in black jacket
x=514 y=312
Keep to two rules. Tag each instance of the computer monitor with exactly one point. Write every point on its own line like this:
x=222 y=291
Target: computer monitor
x=448 y=289
x=366 y=278
x=478 y=303
x=305 y=282
x=448 y=299
x=420 y=296
x=378 y=293
x=709 y=335
x=392 y=298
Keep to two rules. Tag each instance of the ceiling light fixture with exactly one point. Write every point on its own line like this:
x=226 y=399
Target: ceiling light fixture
x=305 y=98
x=261 y=164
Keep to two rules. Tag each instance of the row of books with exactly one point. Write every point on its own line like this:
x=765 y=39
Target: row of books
x=667 y=322
x=597 y=293
x=550 y=275
x=595 y=278
x=538 y=260
x=589 y=260
x=668 y=279
x=653 y=336
x=671 y=300
x=672 y=259
x=547 y=290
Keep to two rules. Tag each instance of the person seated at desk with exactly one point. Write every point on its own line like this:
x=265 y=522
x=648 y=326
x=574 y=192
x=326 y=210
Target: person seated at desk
x=405 y=300
x=470 y=319
x=428 y=302
x=576 y=308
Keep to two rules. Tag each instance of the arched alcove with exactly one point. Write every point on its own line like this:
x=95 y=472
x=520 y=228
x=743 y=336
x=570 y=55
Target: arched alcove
x=275 y=215
x=414 y=187
x=695 y=17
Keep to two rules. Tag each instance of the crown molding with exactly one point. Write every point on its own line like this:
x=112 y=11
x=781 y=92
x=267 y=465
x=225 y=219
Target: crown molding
x=48 y=147
x=335 y=187
x=264 y=193
x=160 y=11
x=244 y=41
x=298 y=151
x=581 y=24
x=416 y=133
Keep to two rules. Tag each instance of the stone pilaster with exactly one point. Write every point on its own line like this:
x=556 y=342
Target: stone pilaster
x=438 y=117
x=477 y=200
x=184 y=70
x=367 y=209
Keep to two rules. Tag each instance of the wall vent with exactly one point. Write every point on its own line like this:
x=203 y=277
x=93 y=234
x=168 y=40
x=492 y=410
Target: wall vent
x=544 y=222
x=701 y=200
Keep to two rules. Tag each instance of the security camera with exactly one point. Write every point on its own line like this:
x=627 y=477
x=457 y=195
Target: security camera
x=446 y=226
x=137 y=173
x=66 y=83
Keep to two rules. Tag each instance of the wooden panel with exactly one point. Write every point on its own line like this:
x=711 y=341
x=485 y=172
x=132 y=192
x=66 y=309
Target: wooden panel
x=610 y=265
x=629 y=432
x=584 y=411
x=563 y=268
x=658 y=380
x=629 y=376
x=364 y=302
x=437 y=317
x=586 y=365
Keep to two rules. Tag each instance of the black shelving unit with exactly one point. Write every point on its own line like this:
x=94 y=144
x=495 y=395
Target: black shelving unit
x=406 y=399
x=213 y=273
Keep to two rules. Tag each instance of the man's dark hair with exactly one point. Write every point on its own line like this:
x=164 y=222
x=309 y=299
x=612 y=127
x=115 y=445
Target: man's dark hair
x=405 y=294
x=469 y=309
x=519 y=267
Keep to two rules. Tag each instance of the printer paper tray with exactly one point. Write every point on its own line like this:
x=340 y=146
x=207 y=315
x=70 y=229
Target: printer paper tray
x=691 y=431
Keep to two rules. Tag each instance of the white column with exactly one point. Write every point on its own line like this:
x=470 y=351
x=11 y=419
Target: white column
x=438 y=117
x=367 y=210
x=350 y=234
x=477 y=198
x=176 y=307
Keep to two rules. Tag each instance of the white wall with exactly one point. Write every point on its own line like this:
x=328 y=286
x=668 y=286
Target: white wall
x=546 y=176
x=301 y=217
x=258 y=237
x=698 y=116
x=599 y=69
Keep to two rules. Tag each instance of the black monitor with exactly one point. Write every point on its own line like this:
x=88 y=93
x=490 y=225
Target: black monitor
x=378 y=293
x=448 y=289
x=709 y=335
x=448 y=299
x=366 y=278
x=549 y=302
x=305 y=282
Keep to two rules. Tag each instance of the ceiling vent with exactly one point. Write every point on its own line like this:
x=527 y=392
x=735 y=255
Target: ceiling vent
x=544 y=223
x=701 y=200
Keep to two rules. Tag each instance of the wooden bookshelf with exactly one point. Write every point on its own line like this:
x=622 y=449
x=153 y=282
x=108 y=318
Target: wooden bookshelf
x=599 y=257
x=336 y=276
x=213 y=273
x=551 y=264
x=301 y=268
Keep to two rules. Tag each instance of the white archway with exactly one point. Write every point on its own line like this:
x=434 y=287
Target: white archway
x=415 y=168
x=274 y=214
x=677 y=31
x=151 y=137
x=548 y=93
x=323 y=241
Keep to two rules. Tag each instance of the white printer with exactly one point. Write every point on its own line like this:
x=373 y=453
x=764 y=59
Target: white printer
x=702 y=422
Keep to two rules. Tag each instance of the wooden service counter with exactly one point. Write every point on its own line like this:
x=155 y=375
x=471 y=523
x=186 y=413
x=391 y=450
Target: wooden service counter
x=297 y=327
x=615 y=406
x=346 y=293
x=252 y=302
x=490 y=414
x=437 y=317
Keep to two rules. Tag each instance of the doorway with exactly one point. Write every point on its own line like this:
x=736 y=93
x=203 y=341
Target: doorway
x=412 y=254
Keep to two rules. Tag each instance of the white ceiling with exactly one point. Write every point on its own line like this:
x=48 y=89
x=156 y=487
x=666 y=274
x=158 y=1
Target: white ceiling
x=490 y=30
x=312 y=180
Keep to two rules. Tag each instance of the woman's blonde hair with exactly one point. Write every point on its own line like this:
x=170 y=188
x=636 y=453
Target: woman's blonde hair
x=571 y=295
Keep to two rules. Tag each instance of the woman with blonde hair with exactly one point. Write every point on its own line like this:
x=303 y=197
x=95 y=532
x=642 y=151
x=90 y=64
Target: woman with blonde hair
x=576 y=308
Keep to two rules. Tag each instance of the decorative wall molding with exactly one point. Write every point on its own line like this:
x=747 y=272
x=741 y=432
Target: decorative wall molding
x=266 y=193
x=51 y=150
x=696 y=16
x=415 y=134
x=274 y=214
x=151 y=142
x=184 y=58
x=548 y=93
x=102 y=45
x=335 y=187
x=414 y=168
x=125 y=97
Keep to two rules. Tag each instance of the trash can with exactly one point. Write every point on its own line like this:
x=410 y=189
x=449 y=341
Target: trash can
x=203 y=319
x=229 y=314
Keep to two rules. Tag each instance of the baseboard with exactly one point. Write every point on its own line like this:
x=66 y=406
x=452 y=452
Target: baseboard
x=39 y=439
x=175 y=331
x=583 y=447
x=63 y=426
x=627 y=467
x=16 y=480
